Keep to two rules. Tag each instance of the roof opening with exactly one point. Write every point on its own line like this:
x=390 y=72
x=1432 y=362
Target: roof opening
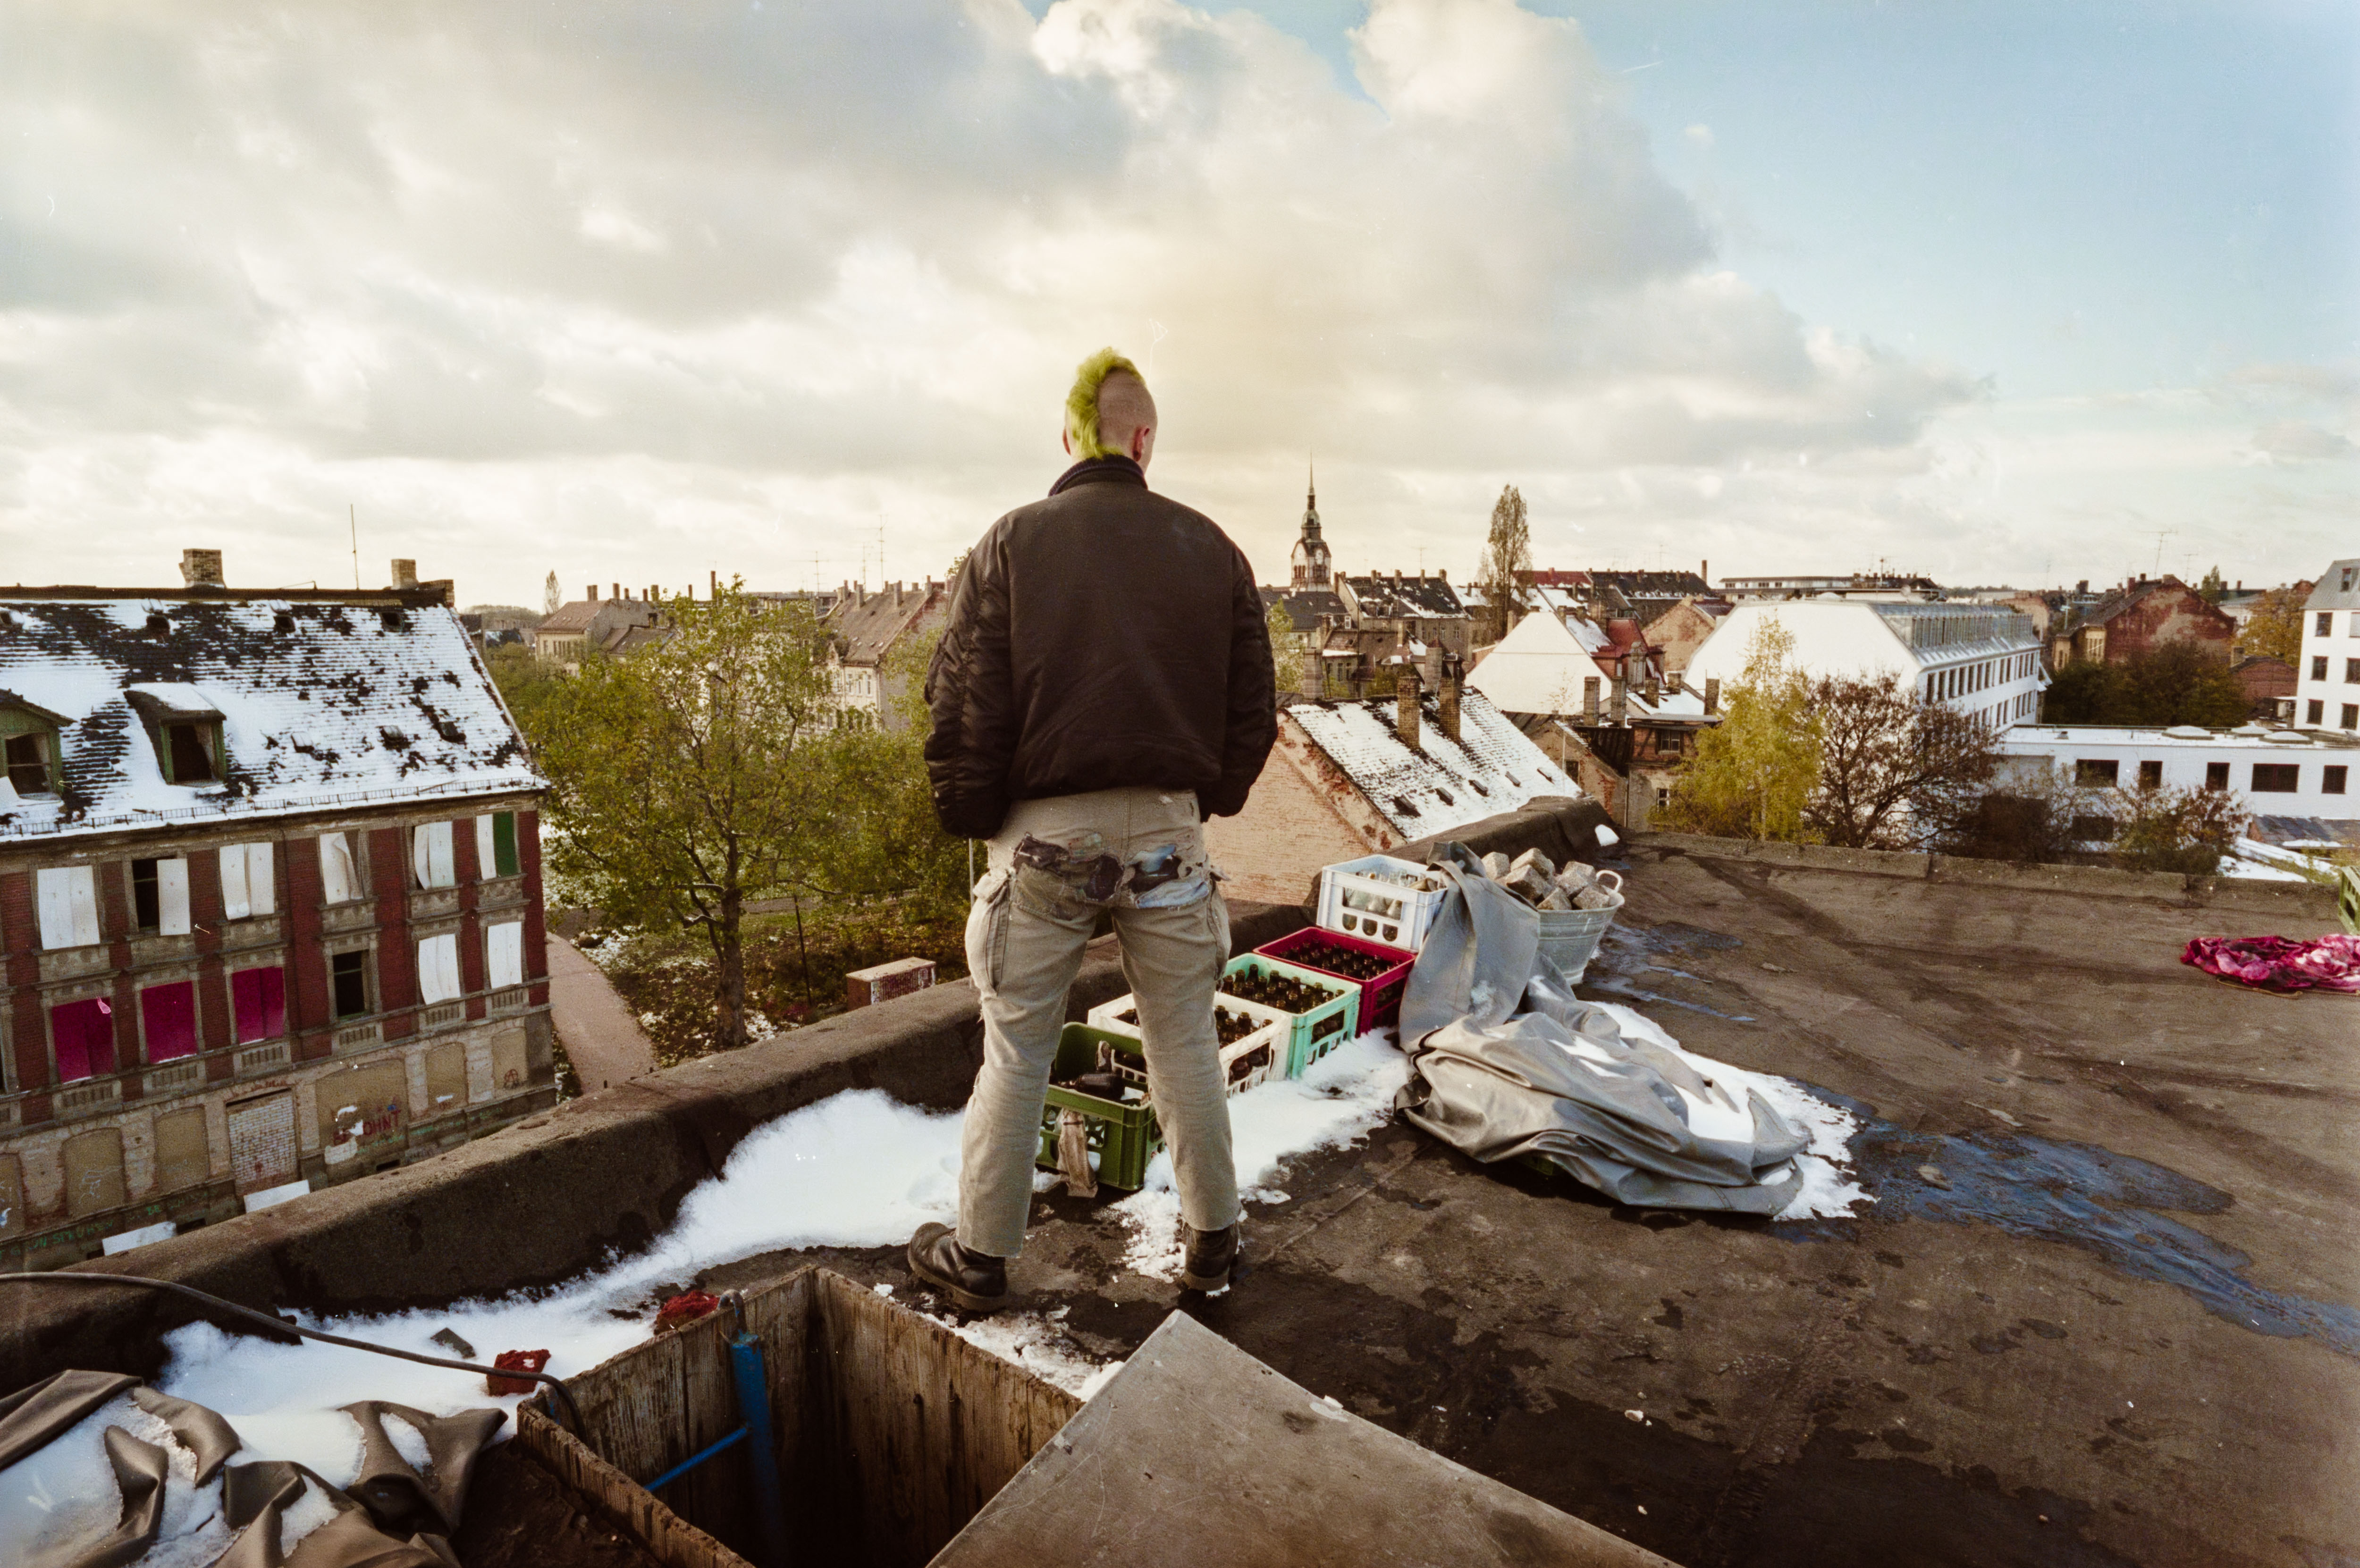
x=392 y=619
x=283 y=622
x=158 y=623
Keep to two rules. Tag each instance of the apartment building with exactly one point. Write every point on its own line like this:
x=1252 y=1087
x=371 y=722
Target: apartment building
x=1983 y=660
x=2327 y=688
x=270 y=909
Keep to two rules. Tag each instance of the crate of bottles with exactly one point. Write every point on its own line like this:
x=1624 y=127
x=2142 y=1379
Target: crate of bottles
x=1382 y=972
x=1379 y=899
x=1088 y=1077
x=1252 y=1039
x=1322 y=1011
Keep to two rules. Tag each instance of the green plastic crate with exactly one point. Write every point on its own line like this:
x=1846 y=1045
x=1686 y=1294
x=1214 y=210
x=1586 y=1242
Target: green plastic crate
x=1124 y=1135
x=1312 y=1035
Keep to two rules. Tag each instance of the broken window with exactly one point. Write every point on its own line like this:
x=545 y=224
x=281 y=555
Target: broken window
x=349 y=982
x=2277 y=778
x=159 y=896
x=83 y=1035
x=2094 y=773
x=2151 y=776
x=190 y=750
x=168 y=1016
x=257 y=999
x=2216 y=775
x=29 y=763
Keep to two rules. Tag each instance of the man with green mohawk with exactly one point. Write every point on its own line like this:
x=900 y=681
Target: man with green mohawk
x=1102 y=685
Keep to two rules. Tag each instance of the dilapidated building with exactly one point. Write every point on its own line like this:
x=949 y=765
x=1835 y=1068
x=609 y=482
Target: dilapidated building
x=269 y=903
x=2138 y=617
x=866 y=631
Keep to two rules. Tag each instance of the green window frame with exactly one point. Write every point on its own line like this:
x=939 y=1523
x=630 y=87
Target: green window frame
x=190 y=750
x=28 y=750
x=503 y=844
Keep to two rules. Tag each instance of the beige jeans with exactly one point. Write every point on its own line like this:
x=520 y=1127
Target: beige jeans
x=1141 y=854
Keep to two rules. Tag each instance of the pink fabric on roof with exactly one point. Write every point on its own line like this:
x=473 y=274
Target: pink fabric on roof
x=2279 y=963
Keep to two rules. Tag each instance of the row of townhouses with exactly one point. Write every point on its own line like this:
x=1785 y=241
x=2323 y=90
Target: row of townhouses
x=270 y=908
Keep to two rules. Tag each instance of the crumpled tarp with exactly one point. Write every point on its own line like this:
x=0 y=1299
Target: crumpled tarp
x=2279 y=963
x=1507 y=1061
x=390 y=1517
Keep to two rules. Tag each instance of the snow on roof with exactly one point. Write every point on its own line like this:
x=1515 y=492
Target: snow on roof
x=1540 y=665
x=1444 y=784
x=2037 y=737
x=321 y=703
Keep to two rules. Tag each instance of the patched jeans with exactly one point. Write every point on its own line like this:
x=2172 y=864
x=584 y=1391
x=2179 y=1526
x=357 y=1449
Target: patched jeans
x=1138 y=853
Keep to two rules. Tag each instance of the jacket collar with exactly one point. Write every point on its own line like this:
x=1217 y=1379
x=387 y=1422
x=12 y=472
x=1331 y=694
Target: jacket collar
x=1100 y=471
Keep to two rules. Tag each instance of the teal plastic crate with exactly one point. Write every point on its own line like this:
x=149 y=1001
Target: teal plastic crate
x=1123 y=1133
x=1312 y=1035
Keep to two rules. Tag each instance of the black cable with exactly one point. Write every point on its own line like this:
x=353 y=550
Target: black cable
x=280 y=1326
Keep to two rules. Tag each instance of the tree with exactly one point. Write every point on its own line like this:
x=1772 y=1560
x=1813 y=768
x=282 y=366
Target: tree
x=1287 y=652
x=695 y=776
x=2213 y=588
x=551 y=596
x=1752 y=773
x=2274 y=628
x=2183 y=829
x=1506 y=563
x=2036 y=815
x=2175 y=683
x=1894 y=773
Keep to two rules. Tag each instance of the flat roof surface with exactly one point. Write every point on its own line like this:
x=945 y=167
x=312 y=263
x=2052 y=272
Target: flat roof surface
x=2126 y=735
x=2102 y=1311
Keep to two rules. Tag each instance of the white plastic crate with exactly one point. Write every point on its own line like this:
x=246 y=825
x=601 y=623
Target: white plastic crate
x=1257 y=1058
x=1359 y=905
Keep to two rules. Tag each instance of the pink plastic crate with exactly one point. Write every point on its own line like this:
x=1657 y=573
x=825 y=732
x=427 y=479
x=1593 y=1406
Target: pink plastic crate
x=1381 y=998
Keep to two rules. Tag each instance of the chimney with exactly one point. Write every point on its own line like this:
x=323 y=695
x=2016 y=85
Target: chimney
x=200 y=568
x=1704 y=570
x=1442 y=574
x=1406 y=723
x=1590 y=701
x=1712 y=697
x=713 y=581
x=591 y=593
x=1655 y=688
x=619 y=589
x=405 y=574
x=897 y=593
x=1445 y=697
x=1621 y=716
x=445 y=588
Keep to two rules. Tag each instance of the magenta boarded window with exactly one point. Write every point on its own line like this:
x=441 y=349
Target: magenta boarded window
x=169 y=1013
x=258 y=997
x=84 y=1033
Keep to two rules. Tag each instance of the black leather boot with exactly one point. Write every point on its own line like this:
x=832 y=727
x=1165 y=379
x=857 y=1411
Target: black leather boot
x=974 y=1282
x=1212 y=1260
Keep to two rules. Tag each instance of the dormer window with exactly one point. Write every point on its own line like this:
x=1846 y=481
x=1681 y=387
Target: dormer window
x=29 y=745
x=186 y=730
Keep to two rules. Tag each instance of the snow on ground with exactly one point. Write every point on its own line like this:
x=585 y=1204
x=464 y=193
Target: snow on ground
x=2265 y=862
x=858 y=1169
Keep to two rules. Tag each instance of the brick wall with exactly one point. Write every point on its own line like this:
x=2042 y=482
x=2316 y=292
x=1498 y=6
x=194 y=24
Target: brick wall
x=307 y=996
x=1271 y=851
x=536 y=955
x=19 y=939
x=397 y=964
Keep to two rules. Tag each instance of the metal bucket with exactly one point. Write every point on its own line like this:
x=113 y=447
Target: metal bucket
x=1571 y=937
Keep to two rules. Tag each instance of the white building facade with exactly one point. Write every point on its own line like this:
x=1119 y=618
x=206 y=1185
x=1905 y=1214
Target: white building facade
x=2282 y=772
x=2327 y=688
x=1983 y=660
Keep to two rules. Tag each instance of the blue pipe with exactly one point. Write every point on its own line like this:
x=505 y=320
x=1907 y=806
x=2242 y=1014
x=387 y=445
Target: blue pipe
x=693 y=1461
x=754 y=1404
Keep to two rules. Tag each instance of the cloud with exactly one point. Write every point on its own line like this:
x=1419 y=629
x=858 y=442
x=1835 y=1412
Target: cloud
x=634 y=290
x=2293 y=441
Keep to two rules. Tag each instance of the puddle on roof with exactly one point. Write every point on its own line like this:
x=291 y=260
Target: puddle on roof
x=2084 y=1196
x=1626 y=954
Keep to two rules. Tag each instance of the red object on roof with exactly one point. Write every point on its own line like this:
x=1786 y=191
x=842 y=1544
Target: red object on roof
x=518 y=1360
x=686 y=1308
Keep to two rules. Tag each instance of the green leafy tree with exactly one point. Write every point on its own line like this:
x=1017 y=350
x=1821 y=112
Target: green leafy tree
x=2176 y=684
x=1753 y=773
x=1287 y=652
x=1506 y=563
x=2182 y=829
x=2213 y=588
x=692 y=777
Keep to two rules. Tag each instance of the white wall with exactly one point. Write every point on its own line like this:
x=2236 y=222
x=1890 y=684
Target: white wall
x=2338 y=697
x=2184 y=764
x=1998 y=682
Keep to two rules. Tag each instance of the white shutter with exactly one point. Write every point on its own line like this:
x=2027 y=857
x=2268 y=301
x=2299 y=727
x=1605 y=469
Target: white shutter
x=172 y=898
x=261 y=880
x=232 y=882
x=438 y=969
x=430 y=854
x=504 y=950
x=56 y=906
x=338 y=883
x=487 y=850
x=81 y=901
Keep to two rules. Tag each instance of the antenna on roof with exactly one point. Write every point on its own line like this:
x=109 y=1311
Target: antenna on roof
x=352 y=521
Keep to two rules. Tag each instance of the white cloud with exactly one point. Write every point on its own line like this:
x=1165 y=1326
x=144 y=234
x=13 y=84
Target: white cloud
x=701 y=286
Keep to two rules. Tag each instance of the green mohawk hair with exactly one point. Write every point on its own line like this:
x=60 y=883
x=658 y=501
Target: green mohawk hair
x=1082 y=402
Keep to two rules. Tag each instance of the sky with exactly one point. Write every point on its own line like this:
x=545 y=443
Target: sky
x=2004 y=293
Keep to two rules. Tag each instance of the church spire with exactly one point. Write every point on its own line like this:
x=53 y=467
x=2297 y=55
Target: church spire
x=1313 y=568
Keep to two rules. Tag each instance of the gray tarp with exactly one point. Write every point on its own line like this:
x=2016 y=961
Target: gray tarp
x=1492 y=1030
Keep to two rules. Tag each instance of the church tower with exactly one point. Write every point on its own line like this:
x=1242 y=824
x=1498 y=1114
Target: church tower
x=1313 y=571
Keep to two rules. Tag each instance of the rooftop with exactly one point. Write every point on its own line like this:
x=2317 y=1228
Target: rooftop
x=2339 y=587
x=323 y=699
x=1399 y=594
x=1443 y=784
x=868 y=624
x=2248 y=735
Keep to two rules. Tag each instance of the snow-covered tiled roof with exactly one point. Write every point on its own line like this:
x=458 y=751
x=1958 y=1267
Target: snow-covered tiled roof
x=1443 y=784
x=322 y=701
